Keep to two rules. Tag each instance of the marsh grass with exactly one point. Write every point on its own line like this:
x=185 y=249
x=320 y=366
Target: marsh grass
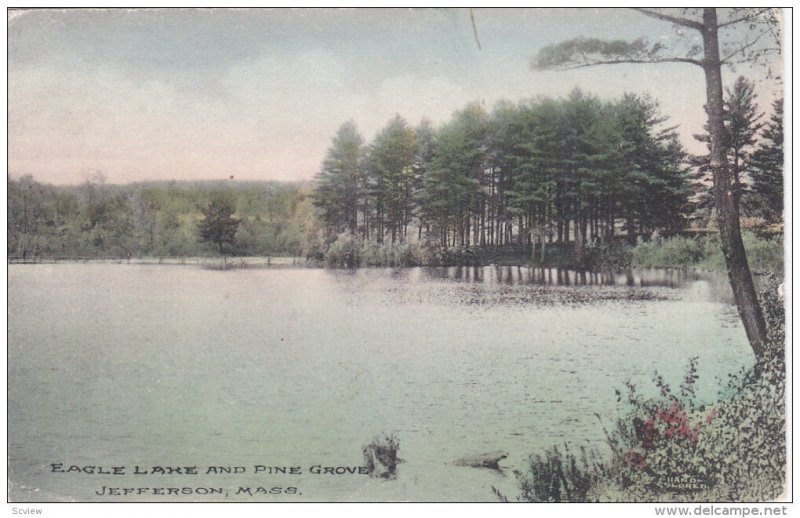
x=705 y=253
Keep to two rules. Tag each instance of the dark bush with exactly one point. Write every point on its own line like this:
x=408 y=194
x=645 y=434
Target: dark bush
x=380 y=456
x=560 y=476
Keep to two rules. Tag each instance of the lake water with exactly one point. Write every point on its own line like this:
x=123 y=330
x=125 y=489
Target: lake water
x=148 y=365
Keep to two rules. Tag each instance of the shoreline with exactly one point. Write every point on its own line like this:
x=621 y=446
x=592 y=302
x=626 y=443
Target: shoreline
x=234 y=263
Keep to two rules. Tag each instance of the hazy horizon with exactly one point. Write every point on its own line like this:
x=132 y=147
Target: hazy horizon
x=257 y=94
x=101 y=180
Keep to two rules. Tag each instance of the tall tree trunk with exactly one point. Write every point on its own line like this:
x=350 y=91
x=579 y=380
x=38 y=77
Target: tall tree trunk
x=741 y=280
x=631 y=224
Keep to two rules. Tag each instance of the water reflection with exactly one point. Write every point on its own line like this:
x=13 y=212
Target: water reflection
x=526 y=286
x=694 y=283
x=514 y=275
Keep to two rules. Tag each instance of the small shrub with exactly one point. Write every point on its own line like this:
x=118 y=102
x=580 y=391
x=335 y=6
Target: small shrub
x=676 y=252
x=560 y=476
x=349 y=252
x=345 y=251
x=603 y=256
x=655 y=444
x=672 y=448
x=770 y=297
x=763 y=254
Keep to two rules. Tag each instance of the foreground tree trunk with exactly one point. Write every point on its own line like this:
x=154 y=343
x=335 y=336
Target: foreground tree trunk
x=741 y=280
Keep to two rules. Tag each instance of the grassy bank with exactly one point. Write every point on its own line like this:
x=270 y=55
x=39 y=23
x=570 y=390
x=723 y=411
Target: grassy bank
x=765 y=255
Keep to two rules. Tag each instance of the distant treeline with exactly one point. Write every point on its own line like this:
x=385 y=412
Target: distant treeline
x=575 y=174
x=152 y=218
x=575 y=170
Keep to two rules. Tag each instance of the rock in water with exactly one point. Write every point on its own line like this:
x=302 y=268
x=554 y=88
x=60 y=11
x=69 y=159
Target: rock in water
x=483 y=460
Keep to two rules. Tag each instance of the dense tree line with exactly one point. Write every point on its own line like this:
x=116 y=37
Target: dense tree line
x=175 y=219
x=571 y=170
x=575 y=170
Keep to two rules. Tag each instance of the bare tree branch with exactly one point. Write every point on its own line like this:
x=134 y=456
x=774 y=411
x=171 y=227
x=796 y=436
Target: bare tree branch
x=624 y=61
x=667 y=18
x=474 y=28
x=752 y=60
x=743 y=47
x=745 y=18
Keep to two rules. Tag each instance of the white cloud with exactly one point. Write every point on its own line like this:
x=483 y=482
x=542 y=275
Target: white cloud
x=272 y=114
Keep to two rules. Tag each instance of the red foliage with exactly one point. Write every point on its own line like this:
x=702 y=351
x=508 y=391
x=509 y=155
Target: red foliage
x=635 y=459
x=675 y=423
x=668 y=424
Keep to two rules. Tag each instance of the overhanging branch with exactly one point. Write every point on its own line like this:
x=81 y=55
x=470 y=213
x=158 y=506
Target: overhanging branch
x=631 y=61
x=667 y=18
x=745 y=18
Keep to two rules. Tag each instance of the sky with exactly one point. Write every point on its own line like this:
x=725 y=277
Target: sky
x=161 y=94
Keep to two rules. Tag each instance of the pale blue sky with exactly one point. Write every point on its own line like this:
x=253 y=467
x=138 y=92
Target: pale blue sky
x=185 y=94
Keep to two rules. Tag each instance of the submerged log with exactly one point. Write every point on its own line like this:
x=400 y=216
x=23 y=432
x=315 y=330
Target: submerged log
x=483 y=460
x=380 y=456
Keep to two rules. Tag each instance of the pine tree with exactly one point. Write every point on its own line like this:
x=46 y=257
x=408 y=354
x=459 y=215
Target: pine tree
x=741 y=121
x=741 y=129
x=391 y=172
x=218 y=225
x=766 y=167
x=341 y=184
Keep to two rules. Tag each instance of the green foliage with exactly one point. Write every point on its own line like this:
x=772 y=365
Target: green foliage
x=349 y=252
x=604 y=256
x=741 y=118
x=574 y=52
x=766 y=167
x=218 y=226
x=392 y=179
x=656 y=444
x=763 y=254
x=676 y=252
x=345 y=251
x=451 y=191
x=771 y=299
x=548 y=170
x=672 y=448
x=151 y=219
x=387 y=254
x=341 y=183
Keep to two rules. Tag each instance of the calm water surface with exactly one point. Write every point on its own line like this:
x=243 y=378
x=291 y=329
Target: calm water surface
x=123 y=365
